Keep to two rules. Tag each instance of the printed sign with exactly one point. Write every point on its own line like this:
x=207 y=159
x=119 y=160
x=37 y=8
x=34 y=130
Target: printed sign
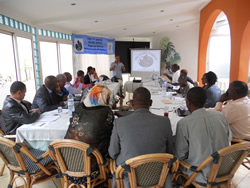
x=93 y=45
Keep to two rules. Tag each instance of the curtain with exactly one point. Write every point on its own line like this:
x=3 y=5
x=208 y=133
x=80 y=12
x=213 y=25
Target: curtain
x=100 y=62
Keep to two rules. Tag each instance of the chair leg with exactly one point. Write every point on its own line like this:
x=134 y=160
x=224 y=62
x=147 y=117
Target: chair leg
x=11 y=178
x=2 y=170
x=88 y=182
x=65 y=182
x=246 y=163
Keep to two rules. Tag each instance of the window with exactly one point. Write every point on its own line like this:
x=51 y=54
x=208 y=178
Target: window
x=8 y=68
x=49 y=60
x=26 y=67
x=52 y=64
x=66 y=58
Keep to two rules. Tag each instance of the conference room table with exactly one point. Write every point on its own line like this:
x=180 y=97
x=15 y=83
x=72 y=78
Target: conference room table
x=172 y=100
x=53 y=125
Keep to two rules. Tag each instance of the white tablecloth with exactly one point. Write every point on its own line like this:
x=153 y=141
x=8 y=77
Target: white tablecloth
x=158 y=104
x=40 y=134
x=48 y=131
x=130 y=86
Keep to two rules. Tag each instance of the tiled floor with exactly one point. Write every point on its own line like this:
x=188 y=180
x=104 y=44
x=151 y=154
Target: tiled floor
x=240 y=180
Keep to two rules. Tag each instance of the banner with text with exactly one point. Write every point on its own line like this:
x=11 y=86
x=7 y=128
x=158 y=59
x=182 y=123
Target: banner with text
x=93 y=45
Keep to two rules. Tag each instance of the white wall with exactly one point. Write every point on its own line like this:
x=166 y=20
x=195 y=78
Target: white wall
x=186 y=42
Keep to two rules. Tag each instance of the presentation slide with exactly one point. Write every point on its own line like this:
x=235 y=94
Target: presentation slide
x=145 y=62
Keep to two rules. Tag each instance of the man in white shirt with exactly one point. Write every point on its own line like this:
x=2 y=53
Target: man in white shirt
x=70 y=87
x=176 y=74
x=236 y=111
x=200 y=134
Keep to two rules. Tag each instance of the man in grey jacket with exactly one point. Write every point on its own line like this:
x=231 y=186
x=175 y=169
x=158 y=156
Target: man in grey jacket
x=141 y=132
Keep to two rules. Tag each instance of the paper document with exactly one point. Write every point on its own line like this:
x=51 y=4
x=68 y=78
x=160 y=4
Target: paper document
x=48 y=118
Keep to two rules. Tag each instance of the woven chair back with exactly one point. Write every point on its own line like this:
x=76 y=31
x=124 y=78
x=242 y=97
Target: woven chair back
x=73 y=159
x=147 y=170
x=7 y=152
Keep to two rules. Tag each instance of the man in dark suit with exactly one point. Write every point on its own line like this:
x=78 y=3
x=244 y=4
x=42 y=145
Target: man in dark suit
x=48 y=97
x=87 y=77
x=15 y=111
x=141 y=132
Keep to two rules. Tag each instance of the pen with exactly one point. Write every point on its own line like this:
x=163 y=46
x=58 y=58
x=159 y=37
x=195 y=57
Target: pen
x=42 y=124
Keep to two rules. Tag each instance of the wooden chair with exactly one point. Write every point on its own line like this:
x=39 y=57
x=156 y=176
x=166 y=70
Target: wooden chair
x=149 y=170
x=246 y=161
x=225 y=163
x=3 y=127
x=74 y=161
x=32 y=166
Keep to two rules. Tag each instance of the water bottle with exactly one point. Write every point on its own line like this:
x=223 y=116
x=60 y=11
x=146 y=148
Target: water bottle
x=155 y=78
x=71 y=107
x=164 y=89
x=153 y=75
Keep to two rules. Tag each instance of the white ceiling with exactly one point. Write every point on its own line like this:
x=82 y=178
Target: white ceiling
x=111 y=18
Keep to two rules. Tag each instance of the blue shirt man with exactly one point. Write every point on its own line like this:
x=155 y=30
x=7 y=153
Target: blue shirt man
x=117 y=67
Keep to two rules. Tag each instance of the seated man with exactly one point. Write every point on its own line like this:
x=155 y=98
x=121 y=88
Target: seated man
x=184 y=85
x=88 y=76
x=176 y=74
x=237 y=111
x=61 y=80
x=185 y=73
x=200 y=134
x=46 y=98
x=15 y=111
x=141 y=132
x=168 y=71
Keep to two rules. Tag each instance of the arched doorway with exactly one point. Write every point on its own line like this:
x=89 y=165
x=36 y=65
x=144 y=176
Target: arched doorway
x=245 y=55
x=219 y=51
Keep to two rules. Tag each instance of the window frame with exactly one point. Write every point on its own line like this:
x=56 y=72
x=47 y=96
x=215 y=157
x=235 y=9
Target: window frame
x=57 y=42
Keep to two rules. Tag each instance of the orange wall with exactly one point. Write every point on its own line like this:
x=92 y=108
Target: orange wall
x=238 y=14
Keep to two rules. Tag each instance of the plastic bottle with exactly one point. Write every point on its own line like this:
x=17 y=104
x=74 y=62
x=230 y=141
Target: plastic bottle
x=71 y=107
x=153 y=75
x=164 y=89
x=155 y=78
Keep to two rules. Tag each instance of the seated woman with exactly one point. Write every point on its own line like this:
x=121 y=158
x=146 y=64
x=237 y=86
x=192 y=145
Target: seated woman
x=92 y=120
x=212 y=91
x=80 y=80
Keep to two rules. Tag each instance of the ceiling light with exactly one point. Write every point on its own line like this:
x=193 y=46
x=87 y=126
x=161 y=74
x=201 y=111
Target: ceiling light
x=161 y=10
x=73 y=4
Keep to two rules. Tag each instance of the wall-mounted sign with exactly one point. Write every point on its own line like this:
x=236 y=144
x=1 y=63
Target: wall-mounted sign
x=93 y=45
